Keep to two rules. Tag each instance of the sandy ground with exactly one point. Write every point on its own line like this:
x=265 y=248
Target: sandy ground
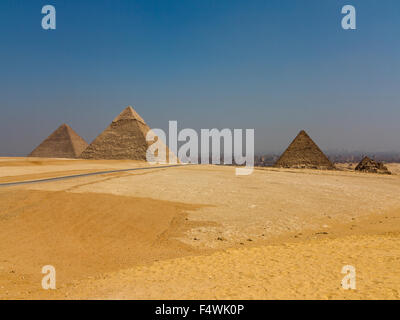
x=197 y=232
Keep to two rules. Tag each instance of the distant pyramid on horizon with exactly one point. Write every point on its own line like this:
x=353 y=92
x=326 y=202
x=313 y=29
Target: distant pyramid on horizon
x=62 y=143
x=372 y=166
x=303 y=152
x=124 y=138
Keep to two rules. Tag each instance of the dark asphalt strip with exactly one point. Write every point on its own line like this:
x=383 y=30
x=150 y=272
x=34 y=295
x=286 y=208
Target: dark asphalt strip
x=9 y=184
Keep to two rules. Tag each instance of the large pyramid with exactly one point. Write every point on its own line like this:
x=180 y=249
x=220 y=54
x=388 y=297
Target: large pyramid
x=124 y=138
x=304 y=153
x=62 y=143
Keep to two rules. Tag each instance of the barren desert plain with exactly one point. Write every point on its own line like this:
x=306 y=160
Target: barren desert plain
x=196 y=231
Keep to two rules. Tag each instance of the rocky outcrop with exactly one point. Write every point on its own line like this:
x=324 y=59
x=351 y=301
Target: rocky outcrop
x=372 y=166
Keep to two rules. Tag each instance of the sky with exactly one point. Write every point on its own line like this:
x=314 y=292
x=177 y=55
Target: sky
x=276 y=66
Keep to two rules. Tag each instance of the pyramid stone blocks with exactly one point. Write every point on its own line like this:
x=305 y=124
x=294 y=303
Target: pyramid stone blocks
x=62 y=143
x=124 y=138
x=369 y=165
x=304 y=153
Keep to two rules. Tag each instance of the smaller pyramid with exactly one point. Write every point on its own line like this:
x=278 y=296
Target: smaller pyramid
x=369 y=165
x=62 y=143
x=304 y=153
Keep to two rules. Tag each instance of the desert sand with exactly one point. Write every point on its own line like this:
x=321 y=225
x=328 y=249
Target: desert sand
x=197 y=231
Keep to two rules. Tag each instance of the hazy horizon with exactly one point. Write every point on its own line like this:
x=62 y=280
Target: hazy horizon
x=275 y=66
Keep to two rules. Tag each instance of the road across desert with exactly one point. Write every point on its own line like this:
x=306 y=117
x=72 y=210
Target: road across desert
x=17 y=183
x=193 y=232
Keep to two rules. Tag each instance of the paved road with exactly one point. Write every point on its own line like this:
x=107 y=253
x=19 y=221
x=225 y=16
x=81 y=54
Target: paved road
x=9 y=184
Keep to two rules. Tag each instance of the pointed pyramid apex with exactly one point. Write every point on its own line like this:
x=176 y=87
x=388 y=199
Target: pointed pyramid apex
x=64 y=125
x=67 y=127
x=303 y=133
x=129 y=114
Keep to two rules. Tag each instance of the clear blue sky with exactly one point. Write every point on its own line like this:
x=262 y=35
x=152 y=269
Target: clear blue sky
x=274 y=65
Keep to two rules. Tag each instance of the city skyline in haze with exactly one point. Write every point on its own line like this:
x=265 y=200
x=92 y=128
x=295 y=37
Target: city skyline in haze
x=275 y=66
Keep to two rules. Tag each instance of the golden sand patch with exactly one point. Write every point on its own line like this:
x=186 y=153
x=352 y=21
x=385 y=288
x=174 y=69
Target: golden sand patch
x=82 y=235
x=305 y=270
